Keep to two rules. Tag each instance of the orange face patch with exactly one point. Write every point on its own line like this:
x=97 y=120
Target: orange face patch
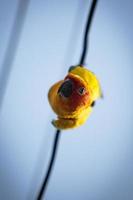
x=73 y=94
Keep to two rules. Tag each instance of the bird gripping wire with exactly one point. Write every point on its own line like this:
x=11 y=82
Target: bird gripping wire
x=43 y=188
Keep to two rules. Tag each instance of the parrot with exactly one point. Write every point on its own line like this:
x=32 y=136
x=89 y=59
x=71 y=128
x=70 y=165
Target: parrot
x=73 y=98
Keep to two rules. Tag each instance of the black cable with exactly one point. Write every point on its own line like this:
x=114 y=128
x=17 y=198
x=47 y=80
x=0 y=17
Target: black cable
x=58 y=132
x=87 y=29
x=51 y=164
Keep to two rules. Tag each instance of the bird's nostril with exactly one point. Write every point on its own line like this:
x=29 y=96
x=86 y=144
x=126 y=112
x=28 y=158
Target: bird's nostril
x=66 y=88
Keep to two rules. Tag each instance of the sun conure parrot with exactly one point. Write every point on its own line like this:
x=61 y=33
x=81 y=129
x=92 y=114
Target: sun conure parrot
x=72 y=99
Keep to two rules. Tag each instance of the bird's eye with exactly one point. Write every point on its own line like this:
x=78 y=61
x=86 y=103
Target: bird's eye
x=81 y=90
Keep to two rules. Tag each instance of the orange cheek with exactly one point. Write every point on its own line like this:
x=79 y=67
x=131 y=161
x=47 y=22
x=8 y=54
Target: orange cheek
x=79 y=101
x=76 y=100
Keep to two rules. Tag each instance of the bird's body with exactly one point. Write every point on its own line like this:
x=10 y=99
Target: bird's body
x=71 y=98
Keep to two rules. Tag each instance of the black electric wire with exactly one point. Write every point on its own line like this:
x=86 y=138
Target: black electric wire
x=53 y=156
x=87 y=29
x=58 y=132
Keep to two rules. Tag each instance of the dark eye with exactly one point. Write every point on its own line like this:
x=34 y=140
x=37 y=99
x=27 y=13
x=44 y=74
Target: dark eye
x=81 y=90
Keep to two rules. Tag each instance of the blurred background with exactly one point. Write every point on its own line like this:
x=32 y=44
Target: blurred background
x=95 y=161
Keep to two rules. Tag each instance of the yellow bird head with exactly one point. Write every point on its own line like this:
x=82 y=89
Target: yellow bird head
x=71 y=98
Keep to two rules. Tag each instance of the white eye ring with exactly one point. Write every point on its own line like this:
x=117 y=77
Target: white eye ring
x=81 y=91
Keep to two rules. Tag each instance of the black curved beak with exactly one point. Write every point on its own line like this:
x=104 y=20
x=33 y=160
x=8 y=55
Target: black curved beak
x=66 y=88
